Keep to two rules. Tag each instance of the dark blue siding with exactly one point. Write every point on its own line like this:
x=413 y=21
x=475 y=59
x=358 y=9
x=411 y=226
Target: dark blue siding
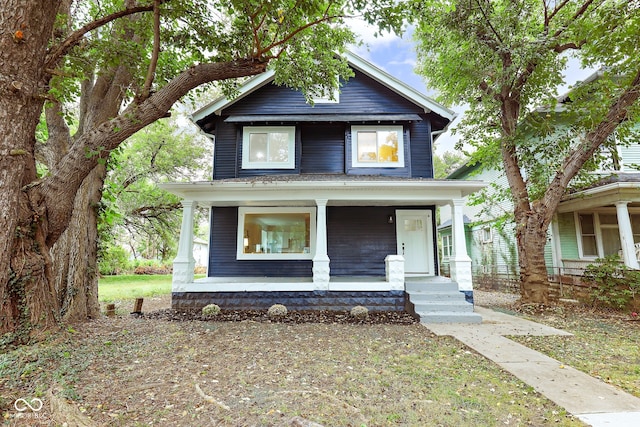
x=222 y=253
x=323 y=148
x=361 y=95
x=421 y=152
x=359 y=239
x=225 y=151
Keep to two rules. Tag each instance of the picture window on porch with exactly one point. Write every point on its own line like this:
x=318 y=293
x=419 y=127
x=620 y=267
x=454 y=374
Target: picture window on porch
x=276 y=233
x=377 y=146
x=268 y=147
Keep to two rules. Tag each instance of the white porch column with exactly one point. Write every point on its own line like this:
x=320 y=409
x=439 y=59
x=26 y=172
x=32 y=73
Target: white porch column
x=626 y=235
x=460 y=263
x=394 y=268
x=321 y=268
x=184 y=263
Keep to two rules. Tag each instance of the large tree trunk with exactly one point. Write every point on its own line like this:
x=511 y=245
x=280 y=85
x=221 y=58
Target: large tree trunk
x=534 y=280
x=75 y=253
x=25 y=264
x=35 y=213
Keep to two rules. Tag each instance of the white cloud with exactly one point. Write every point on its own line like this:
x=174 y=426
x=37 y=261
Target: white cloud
x=366 y=33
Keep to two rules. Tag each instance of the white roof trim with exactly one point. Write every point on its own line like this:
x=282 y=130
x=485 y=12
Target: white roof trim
x=407 y=92
x=602 y=195
x=338 y=193
x=247 y=88
x=399 y=87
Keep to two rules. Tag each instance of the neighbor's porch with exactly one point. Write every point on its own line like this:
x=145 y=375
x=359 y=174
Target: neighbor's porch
x=595 y=223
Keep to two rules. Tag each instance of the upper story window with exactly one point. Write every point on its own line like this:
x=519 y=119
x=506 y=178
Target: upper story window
x=329 y=98
x=268 y=147
x=377 y=146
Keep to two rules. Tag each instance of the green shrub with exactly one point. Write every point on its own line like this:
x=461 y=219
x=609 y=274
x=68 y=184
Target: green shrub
x=113 y=260
x=616 y=285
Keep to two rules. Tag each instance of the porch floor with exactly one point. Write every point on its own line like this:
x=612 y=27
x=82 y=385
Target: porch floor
x=333 y=279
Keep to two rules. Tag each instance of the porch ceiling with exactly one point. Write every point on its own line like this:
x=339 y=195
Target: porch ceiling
x=378 y=192
x=605 y=195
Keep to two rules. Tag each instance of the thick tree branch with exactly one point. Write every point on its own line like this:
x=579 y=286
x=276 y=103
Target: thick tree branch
x=153 y=63
x=98 y=142
x=56 y=53
x=572 y=45
x=593 y=139
x=59 y=139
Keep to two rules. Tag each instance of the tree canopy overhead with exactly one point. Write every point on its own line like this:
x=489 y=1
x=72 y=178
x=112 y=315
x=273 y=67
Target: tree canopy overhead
x=505 y=58
x=125 y=62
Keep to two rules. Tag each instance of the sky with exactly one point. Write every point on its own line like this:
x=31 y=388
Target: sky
x=397 y=56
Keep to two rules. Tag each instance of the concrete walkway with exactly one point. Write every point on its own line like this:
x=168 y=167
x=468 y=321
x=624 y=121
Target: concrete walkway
x=594 y=402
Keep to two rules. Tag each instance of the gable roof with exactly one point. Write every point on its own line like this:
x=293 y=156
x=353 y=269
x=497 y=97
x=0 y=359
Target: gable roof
x=365 y=67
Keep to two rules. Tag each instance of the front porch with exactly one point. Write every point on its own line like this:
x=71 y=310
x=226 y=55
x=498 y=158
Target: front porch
x=326 y=286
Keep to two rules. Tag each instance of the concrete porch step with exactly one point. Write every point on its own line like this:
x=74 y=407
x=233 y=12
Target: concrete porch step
x=451 y=305
x=438 y=300
x=449 y=317
x=431 y=286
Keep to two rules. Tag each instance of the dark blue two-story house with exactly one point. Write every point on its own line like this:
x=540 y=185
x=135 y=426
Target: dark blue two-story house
x=325 y=206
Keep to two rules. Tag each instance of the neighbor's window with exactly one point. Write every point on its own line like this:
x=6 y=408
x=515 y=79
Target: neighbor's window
x=588 y=235
x=376 y=146
x=268 y=147
x=487 y=236
x=276 y=233
x=447 y=245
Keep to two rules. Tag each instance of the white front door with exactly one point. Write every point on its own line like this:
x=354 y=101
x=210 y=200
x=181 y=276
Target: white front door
x=414 y=230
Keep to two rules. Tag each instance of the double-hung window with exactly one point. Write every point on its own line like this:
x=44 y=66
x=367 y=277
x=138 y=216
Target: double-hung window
x=276 y=233
x=447 y=245
x=377 y=146
x=268 y=147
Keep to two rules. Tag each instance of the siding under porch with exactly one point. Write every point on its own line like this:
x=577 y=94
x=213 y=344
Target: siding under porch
x=358 y=240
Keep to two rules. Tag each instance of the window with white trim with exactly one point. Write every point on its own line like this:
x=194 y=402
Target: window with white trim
x=599 y=233
x=486 y=235
x=447 y=245
x=377 y=146
x=329 y=97
x=276 y=233
x=588 y=242
x=268 y=147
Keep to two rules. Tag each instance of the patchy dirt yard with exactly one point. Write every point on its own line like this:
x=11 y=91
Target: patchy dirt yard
x=140 y=371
